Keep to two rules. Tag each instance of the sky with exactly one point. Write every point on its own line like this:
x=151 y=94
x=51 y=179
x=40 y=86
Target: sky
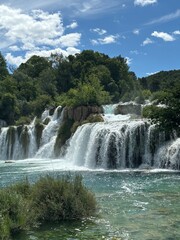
x=145 y=32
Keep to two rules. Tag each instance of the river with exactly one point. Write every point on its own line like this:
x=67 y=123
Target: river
x=132 y=204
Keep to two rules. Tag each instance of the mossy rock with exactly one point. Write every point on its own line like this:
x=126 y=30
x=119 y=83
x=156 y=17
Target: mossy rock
x=24 y=138
x=38 y=132
x=64 y=133
x=93 y=118
x=11 y=138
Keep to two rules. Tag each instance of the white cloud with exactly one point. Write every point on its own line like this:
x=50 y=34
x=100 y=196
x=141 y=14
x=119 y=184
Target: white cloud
x=128 y=60
x=134 y=52
x=144 y=2
x=152 y=73
x=99 y=31
x=106 y=40
x=14 y=48
x=177 y=32
x=165 y=18
x=34 y=28
x=165 y=36
x=136 y=31
x=75 y=7
x=70 y=40
x=146 y=42
x=73 y=25
x=36 y=32
x=14 y=60
x=42 y=53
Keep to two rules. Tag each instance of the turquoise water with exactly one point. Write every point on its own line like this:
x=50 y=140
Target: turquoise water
x=132 y=205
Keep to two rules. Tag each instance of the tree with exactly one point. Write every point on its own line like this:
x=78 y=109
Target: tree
x=34 y=66
x=8 y=108
x=47 y=82
x=90 y=93
x=3 y=68
x=166 y=116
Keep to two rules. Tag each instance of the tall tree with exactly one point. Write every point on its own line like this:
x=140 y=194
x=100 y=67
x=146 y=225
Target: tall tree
x=3 y=68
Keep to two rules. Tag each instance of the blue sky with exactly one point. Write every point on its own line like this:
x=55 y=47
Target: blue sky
x=145 y=32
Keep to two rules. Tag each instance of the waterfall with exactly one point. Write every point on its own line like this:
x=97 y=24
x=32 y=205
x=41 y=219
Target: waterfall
x=117 y=143
x=109 y=145
x=121 y=142
x=27 y=142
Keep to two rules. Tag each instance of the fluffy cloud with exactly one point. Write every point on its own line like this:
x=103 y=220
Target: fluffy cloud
x=99 y=31
x=42 y=53
x=33 y=32
x=72 y=25
x=106 y=40
x=146 y=42
x=128 y=60
x=136 y=31
x=177 y=32
x=35 y=28
x=165 y=36
x=144 y=2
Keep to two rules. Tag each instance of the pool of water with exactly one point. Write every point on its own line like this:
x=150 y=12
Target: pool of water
x=132 y=205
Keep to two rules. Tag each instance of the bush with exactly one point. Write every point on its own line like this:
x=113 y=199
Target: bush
x=23 y=206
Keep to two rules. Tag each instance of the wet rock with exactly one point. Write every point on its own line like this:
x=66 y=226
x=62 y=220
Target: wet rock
x=130 y=108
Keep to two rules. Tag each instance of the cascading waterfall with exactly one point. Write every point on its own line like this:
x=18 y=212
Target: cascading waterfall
x=117 y=143
x=120 y=143
x=21 y=142
x=48 y=137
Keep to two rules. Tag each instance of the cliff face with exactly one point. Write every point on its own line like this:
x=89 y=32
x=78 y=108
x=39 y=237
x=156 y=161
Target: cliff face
x=80 y=113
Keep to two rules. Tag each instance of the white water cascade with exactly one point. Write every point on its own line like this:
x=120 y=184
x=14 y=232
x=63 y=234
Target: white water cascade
x=117 y=143
x=120 y=142
x=27 y=142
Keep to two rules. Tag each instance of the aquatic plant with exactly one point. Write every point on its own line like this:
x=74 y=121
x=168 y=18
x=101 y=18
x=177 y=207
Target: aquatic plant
x=25 y=205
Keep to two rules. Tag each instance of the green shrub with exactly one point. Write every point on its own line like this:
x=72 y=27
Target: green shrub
x=56 y=200
x=23 y=205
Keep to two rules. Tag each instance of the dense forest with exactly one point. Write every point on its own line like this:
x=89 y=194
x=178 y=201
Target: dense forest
x=88 y=78
x=161 y=81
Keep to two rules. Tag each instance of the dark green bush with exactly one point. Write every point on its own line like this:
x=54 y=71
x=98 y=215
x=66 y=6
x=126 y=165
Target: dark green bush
x=23 y=205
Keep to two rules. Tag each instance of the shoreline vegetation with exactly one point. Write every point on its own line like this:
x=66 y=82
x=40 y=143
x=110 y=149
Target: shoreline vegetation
x=24 y=206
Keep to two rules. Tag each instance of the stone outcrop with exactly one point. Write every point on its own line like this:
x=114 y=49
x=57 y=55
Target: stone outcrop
x=81 y=113
x=130 y=108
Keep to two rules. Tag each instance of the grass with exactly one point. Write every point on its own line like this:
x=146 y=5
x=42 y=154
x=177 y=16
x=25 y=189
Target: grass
x=24 y=205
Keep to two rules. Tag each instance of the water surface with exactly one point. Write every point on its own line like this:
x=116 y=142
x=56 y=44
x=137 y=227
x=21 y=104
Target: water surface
x=132 y=205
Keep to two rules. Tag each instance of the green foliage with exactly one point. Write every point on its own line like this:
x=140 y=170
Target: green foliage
x=90 y=93
x=55 y=200
x=34 y=66
x=160 y=81
x=23 y=120
x=3 y=68
x=8 y=107
x=88 y=78
x=39 y=104
x=166 y=116
x=23 y=206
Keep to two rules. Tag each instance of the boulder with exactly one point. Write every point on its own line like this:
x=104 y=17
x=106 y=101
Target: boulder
x=80 y=113
x=128 y=108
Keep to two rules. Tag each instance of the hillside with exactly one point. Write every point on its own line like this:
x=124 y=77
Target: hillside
x=160 y=81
